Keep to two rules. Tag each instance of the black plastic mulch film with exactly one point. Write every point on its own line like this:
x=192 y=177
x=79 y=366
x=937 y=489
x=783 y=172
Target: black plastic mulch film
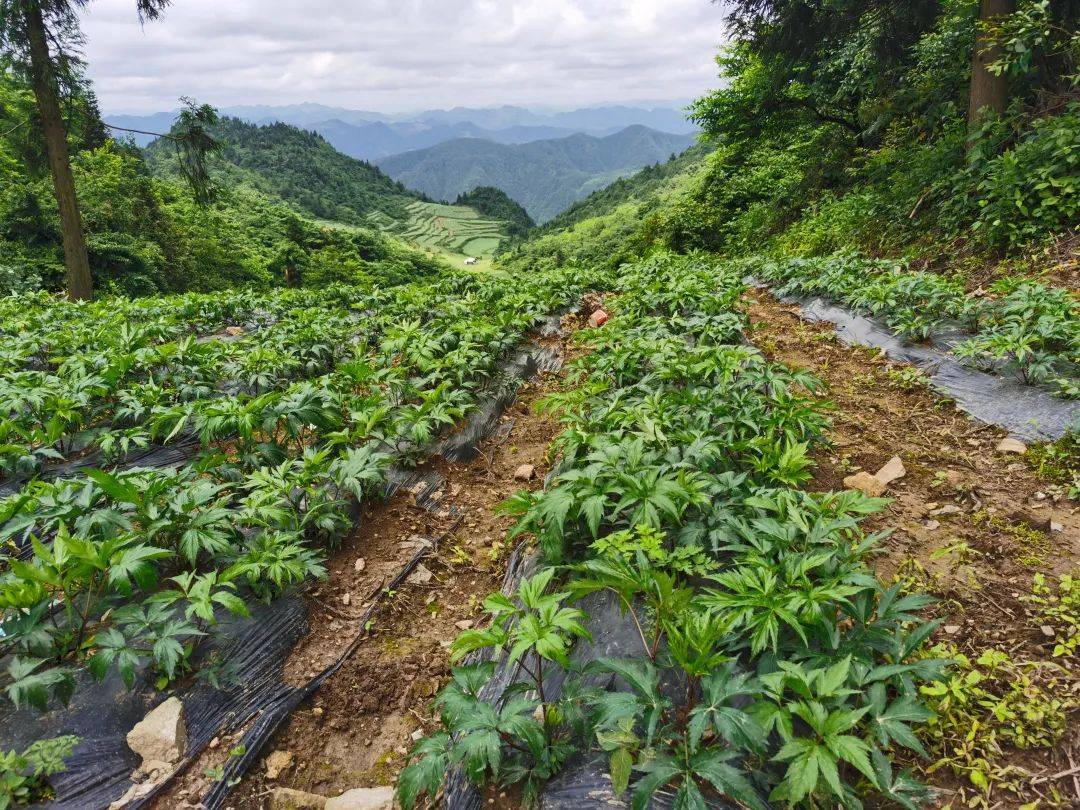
x=250 y=653
x=584 y=781
x=1027 y=411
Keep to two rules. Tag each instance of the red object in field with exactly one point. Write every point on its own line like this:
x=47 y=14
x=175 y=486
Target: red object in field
x=598 y=318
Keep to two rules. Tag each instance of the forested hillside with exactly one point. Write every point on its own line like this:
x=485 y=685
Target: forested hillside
x=147 y=234
x=301 y=168
x=544 y=176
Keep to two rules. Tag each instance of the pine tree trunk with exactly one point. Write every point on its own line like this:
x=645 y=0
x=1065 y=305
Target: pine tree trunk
x=80 y=287
x=989 y=92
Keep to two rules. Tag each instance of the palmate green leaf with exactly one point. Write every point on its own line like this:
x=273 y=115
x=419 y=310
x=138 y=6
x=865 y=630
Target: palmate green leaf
x=656 y=772
x=134 y=563
x=890 y=722
x=32 y=685
x=426 y=770
x=478 y=751
x=112 y=647
x=735 y=726
x=728 y=780
x=855 y=751
x=801 y=777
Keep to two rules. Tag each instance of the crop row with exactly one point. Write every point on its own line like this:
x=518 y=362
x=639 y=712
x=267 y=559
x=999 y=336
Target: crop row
x=1020 y=326
x=451 y=228
x=296 y=422
x=772 y=665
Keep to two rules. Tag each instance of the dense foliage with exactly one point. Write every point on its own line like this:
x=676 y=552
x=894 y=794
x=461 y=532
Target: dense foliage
x=496 y=204
x=301 y=168
x=147 y=235
x=772 y=665
x=168 y=460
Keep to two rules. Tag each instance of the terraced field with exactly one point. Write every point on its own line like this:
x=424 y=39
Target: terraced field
x=454 y=230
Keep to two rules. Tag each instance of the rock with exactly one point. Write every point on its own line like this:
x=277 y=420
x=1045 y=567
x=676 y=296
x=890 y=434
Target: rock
x=952 y=629
x=359 y=565
x=865 y=483
x=234 y=331
x=134 y=793
x=1010 y=445
x=598 y=318
x=162 y=734
x=346 y=598
x=892 y=471
x=932 y=525
x=288 y=799
x=420 y=576
x=1056 y=527
x=277 y=763
x=1048 y=631
x=417 y=735
x=525 y=472
x=947 y=509
x=464 y=624
x=380 y=798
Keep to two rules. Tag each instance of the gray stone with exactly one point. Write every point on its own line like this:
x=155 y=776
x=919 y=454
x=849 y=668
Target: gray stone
x=162 y=734
x=380 y=798
x=893 y=470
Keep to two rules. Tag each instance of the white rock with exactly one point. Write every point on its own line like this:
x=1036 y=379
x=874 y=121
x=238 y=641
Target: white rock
x=947 y=509
x=952 y=629
x=277 y=763
x=525 y=472
x=892 y=471
x=1010 y=445
x=288 y=799
x=162 y=734
x=359 y=565
x=380 y=798
x=420 y=576
x=1056 y=527
x=464 y=624
x=346 y=598
x=1048 y=631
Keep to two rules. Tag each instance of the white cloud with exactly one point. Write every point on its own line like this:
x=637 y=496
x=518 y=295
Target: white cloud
x=395 y=55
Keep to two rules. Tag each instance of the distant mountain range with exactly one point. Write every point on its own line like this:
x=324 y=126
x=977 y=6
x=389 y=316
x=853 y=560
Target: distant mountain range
x=371 y=136
x=545 y=176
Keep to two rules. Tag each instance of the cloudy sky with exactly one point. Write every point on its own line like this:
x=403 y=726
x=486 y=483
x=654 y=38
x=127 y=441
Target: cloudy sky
x=401 y=55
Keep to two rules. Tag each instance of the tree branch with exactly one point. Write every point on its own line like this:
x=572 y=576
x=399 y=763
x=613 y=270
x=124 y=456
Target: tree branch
x=827 y=117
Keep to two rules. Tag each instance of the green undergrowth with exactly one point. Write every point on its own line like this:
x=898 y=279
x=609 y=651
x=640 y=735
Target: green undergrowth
x=1020 y=327
x=24 y=777
x=772 y=666
x=297 y=403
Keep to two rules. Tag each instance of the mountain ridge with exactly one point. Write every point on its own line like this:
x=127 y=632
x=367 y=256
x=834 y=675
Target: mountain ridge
x=544 y=176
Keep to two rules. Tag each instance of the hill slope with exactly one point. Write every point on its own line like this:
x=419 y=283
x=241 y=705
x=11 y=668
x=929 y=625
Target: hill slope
x=307 y=173
x=304 y=170
x=544 y=176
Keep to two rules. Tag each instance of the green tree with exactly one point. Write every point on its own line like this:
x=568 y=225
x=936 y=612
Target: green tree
x=27 y=30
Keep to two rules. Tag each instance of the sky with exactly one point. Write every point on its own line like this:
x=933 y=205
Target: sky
x=401 y=55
